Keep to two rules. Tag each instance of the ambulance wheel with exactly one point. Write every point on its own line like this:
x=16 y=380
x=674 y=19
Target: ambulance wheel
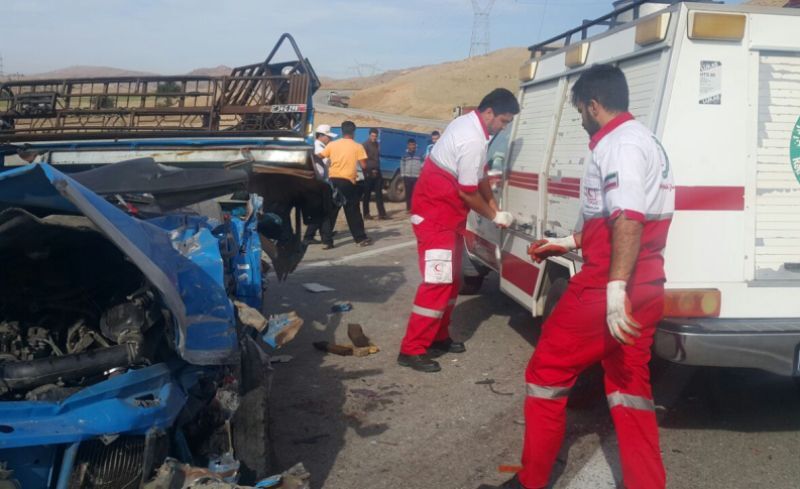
x=397 y=189
x=471 y=284
x=554 y=293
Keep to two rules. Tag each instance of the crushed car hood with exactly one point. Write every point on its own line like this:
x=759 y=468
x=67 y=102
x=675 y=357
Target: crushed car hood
x=170 y=187
x=205 y=331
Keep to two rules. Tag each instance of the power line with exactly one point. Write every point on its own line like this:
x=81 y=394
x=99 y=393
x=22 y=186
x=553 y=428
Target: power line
x=479 y=44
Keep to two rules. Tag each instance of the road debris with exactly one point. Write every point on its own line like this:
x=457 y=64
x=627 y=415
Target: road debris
x=282 y=328
x=225 y=466
x=490 y=383
x=175 y=475
x=361 y=347
x=343 y=350
x=316 y=288
x=250 y=316
x=280 y=358
x=356 y=334
x=342 y=307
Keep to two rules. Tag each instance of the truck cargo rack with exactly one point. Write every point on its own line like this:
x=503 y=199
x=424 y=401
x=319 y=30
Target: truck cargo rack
x=258 y=100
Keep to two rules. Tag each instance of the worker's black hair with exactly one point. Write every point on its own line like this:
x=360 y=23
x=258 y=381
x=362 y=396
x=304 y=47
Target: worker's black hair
x=604 y=83
x=436 y=133
x=411 y=140
x=501 y=101
x=348 y=128
x=373 y=131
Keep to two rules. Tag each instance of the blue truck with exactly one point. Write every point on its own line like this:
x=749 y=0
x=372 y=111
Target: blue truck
x=393 y=147
x=133 y=216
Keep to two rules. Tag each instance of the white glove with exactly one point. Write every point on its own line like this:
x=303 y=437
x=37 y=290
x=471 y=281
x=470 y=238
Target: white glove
x=503 y=219
x=620 y=322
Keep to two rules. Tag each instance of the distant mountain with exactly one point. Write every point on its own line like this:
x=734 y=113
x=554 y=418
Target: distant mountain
x=108 y=71
x=361 y=82
x=768 y=3
x=89 y=72
x=220 y=70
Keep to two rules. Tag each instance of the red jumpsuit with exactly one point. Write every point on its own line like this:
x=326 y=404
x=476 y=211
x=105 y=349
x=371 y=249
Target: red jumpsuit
x=628 y=173
x=439 y=216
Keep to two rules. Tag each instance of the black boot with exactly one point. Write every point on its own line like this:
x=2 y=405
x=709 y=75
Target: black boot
x=420 y=363
x=439 y=348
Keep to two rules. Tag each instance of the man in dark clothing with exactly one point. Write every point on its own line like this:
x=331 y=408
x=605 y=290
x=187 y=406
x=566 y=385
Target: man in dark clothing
x=410 y=168
x=373 y=180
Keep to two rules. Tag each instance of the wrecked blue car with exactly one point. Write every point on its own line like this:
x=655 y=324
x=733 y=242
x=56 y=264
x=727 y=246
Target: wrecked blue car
x=120 y=342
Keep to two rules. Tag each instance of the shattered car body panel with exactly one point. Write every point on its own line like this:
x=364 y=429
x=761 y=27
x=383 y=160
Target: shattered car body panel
x=61 y=388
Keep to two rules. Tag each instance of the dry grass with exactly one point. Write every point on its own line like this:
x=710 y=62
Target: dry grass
x=432 y=91
x=336 y=118
x=767 y=3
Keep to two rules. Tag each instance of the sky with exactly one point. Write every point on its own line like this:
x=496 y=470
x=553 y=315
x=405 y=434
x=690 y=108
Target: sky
x=177 y=36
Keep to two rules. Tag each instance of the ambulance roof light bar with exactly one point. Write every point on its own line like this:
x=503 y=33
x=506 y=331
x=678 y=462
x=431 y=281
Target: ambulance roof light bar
x=611 y=20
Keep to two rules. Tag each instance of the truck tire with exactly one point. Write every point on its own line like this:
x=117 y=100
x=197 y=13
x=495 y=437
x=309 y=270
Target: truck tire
x=397 y=189
x=554 y=293
x=250 y=422
x=471 y=284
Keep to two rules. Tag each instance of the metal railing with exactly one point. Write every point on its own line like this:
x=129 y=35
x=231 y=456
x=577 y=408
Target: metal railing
x=261 y=99
x=610 y=20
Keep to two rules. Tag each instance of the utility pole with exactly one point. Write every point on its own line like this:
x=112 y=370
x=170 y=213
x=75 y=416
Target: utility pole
x=365 y=69
x=479 y=44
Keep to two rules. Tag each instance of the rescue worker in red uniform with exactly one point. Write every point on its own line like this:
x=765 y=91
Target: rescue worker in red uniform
x=452 y=183
x=610 y=309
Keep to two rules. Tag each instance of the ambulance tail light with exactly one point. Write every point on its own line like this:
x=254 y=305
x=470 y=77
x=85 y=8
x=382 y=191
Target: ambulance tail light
x=692 y=303
x=716 y=26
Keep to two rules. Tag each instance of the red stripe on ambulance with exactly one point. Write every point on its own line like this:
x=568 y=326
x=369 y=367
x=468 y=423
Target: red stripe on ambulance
x=520 y=272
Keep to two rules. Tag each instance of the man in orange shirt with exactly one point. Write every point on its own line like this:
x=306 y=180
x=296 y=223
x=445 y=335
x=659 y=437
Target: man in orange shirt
x=346 y=155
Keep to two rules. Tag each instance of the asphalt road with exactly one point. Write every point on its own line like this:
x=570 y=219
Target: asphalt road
x=321 y=104
x=366 y=423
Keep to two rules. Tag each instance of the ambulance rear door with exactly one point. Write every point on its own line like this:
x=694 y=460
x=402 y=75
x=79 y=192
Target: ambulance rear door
x=529 y=151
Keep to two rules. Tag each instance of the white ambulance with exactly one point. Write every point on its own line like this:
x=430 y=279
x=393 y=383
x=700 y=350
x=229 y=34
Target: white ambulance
x=720 y=86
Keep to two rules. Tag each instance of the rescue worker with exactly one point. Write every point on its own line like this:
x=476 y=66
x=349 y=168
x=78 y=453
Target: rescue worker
x=451 y=183
x=611 y=307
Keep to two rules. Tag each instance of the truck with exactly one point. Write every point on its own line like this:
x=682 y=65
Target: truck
x=338 y=100
x=719 y=85
x=393 y=148
x=259 y=118
x=133 y=216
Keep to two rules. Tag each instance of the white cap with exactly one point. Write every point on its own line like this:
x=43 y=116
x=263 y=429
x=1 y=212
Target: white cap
x=326 y=130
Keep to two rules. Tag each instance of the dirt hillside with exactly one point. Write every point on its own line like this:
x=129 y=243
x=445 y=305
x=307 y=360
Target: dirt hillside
x=768 y=3
x=88 y=72
x=432 y=91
